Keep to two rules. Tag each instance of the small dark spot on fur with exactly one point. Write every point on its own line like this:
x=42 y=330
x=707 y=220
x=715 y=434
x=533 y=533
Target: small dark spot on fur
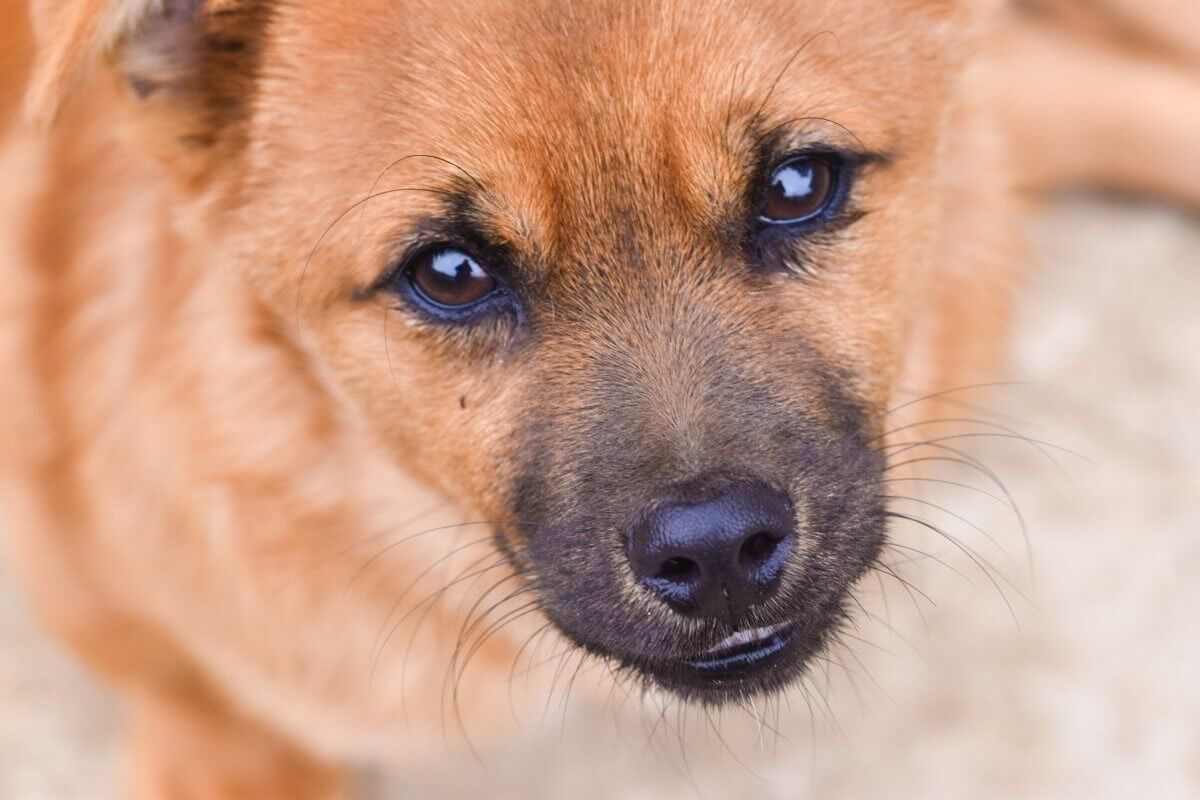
x=224 y=102
x=198 y=141
x=360 y=293
x=220 y=44
x=142 y=88
x=462 y=401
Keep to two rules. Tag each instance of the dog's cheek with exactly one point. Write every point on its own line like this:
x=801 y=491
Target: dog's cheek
x=441 y=415
x=860 y=308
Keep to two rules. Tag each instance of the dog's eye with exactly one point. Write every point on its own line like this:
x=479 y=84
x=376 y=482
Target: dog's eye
x=800 y=189
x=449 y=278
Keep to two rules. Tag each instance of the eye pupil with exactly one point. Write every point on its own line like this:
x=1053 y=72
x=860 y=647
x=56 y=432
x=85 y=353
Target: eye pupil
x=799 y=189
x=451 y=278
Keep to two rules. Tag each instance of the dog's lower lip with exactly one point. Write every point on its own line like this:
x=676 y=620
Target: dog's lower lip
x=743 y=651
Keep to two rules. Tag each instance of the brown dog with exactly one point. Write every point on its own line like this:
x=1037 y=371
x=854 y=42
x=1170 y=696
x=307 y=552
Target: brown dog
x=340 y=336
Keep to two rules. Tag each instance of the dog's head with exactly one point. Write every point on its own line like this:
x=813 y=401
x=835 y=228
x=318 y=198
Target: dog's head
x=633 y=280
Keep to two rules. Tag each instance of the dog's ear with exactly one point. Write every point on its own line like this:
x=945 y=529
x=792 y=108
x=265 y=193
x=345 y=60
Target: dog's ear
x=187 y=66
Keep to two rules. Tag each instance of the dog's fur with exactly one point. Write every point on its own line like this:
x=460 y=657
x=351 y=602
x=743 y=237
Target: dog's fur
x=233 y=463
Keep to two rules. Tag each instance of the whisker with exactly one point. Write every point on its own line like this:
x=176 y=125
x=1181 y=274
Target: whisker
x=959 y=456
x=971 y=555
x=927 y=555
x=401 y=160
x=527 y=672
x=867 y=642
x=428 y=602
x=721 y=738
x=426 y=571
x=957 y=516
x=330 y=227
x=1042 y=447
x=428 y=531
x=909 y=586
x=1039 y=444
x=505 y=620
x=468 y=629
x=775 y=83
x=827 y=709
x=959 y=484
x=562 y=662
x=737 y=71
x=359 y=541
x=879 y=687
x=512 y=672
x=387 y=350
x=949 y=392
x=812 y=118
x=983 y=411
x=567 y=695
x=450 y=682
x=472 y=622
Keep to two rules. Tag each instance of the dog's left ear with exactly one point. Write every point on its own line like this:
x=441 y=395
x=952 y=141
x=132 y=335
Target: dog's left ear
x=187 y=66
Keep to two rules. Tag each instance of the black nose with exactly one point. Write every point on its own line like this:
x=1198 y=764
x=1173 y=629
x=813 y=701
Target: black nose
x=713 y=549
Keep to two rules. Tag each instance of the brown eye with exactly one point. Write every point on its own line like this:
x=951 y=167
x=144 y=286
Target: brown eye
x=450 y=278
x=800 y=189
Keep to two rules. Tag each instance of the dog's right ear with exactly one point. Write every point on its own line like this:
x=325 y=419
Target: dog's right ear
x=187 y=66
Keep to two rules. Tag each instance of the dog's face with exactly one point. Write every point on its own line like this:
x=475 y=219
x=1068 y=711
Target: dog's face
x=631 y=279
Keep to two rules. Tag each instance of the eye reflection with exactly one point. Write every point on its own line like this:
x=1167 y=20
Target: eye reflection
x=795 y=182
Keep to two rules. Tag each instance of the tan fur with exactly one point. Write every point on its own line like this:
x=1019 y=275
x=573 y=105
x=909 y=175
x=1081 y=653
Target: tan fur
x=216 y=453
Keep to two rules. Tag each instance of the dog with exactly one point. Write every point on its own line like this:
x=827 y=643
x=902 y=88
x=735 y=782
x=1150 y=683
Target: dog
x=350 y=345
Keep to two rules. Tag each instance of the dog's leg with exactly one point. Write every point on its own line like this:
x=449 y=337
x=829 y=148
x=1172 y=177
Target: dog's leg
x=1165 y=29
x=1081 y=112
x=192 y=751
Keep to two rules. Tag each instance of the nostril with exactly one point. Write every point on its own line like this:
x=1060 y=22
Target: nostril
x=758 y=548
x=678 y=569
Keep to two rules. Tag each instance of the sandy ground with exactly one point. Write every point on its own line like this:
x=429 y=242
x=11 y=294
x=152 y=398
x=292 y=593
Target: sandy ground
x=1086 y=689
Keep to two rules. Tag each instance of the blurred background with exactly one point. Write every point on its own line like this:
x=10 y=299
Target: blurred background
x=1061 y=669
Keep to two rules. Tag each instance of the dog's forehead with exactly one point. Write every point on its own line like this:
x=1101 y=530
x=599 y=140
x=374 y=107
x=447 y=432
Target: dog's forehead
x=526 y=70
x=614 y=108
x=619 y=76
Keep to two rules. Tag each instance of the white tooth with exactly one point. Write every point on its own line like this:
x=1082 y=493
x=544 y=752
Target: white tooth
x=745 y=637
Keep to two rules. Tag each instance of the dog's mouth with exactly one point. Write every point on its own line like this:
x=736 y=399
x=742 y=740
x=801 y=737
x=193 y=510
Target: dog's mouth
x=749 y=661
x=743 y=653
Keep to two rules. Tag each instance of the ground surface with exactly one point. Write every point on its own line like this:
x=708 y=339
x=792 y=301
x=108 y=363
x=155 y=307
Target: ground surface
x=1094 y=695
